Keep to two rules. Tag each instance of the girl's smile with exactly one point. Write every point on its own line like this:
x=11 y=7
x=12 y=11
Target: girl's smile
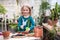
x=25 y=11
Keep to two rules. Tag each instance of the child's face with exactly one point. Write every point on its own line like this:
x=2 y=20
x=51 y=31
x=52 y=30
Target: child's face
x=25 y=11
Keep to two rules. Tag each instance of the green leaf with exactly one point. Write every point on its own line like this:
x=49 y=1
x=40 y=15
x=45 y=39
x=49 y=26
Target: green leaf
x=27 y=28
x=2 y=9
x=44 y=5
x=13 y=26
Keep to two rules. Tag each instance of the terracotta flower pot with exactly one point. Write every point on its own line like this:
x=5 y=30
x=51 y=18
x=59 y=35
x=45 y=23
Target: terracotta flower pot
x=6 y=34
x=38 y=31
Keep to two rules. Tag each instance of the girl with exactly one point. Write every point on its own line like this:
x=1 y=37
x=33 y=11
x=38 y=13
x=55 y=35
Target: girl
x=25 y=22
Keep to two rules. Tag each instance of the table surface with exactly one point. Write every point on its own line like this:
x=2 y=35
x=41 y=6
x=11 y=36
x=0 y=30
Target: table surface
x=20 y=38
x=24 y=38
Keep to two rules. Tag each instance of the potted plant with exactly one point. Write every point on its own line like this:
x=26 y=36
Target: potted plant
x=54 y=17
x=13 y=27
x=43 y=7
x=4 y=32
x=54 y=14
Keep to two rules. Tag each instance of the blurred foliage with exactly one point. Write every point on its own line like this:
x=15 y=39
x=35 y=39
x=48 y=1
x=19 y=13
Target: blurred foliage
x=54 y=12
x=13 y=25
x=2 y=9
x=44 y=5
x=52 y=34
x=54 y=15
x=59 y=8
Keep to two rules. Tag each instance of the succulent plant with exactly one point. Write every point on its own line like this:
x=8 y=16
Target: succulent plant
x=54 y=12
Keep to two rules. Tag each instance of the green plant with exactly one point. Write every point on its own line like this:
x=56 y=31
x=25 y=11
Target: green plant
x=44 y=6
x=54 y=16
x=13 y=25
x=52 y=34
x=59 y=8
x=59 y=30
x=54 y=12
x=2 y=9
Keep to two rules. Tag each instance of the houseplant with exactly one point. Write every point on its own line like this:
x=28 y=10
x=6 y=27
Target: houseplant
x=54 y=12
x=13 y=27
x=3 y=11
x=54 y=18
x=43 y=7
x=38 y=30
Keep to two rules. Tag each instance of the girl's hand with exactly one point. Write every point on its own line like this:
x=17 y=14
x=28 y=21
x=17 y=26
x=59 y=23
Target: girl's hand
x=27 y=29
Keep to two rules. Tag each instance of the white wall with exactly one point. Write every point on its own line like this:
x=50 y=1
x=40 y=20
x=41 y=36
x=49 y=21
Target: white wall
x=53 y=2
x=12 y=7
x=34 y=3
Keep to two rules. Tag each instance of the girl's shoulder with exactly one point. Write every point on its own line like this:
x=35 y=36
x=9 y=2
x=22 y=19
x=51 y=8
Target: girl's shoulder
x=30 y=17
x=20 y=17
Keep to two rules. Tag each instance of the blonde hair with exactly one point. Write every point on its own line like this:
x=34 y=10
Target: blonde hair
x=28 y=8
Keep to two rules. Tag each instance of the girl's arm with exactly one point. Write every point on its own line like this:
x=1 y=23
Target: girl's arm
x=19 y=21
x=32 y=23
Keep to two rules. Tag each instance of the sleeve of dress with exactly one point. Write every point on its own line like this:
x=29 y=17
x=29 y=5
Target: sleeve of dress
x=32 y=23
x=19 y=21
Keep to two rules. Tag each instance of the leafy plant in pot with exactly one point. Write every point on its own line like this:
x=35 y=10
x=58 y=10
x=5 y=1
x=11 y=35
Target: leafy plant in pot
x=54 y=17
x=43 y=7
x=13 y=27
x=54 y=14
x=4 y=32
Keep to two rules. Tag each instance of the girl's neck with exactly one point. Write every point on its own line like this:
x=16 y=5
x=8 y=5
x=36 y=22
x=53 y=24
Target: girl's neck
x=26 y=16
